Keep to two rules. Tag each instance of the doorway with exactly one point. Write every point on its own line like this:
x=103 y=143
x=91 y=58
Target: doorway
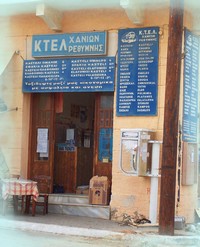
x=74 y=128
x=77 y=132
x=41 y=138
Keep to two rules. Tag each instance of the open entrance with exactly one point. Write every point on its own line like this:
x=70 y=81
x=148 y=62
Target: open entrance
x=71 y=138
x=74 y=132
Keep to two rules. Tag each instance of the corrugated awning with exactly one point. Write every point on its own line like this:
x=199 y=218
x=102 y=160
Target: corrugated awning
x=5 y=57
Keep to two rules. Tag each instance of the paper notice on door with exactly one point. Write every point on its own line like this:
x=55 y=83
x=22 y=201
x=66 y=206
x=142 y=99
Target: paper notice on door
x=42 y=140
x=45 y=155
x=42 y=134
x=70 y=134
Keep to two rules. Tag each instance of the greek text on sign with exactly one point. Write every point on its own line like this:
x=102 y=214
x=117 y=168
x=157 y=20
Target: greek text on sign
x=69 y=75
x=190 y=89
x=69 y=44
x=137 y=84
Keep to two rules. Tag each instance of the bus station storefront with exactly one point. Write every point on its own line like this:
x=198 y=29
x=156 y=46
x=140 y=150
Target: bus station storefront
x=92 y=103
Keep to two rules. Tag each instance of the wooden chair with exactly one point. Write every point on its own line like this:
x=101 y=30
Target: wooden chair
x=17 y=200
x=44 y=185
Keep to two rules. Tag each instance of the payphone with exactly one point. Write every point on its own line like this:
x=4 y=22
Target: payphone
x=135 y=151
x=140 y=156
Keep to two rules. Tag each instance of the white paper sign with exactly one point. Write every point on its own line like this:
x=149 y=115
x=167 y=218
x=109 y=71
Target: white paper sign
x=70 y=134
x=42 y=140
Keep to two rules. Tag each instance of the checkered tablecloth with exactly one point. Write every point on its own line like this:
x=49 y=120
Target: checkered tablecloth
x=18 y=187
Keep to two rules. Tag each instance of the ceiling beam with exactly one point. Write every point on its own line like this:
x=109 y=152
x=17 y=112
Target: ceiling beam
x=134 y=10
x=52 y=17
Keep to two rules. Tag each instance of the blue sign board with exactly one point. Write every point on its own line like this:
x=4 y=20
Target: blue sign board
x=190 y=90
x=69 y=75
x=137 y=83
x=69 y=44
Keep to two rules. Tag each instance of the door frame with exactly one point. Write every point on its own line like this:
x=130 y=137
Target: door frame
x=106 y=167
x=32 y=138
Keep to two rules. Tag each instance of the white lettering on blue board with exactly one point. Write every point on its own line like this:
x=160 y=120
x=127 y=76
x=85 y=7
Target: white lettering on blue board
x=92 y=43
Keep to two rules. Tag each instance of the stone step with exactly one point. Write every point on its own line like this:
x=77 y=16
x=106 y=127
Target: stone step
x=68 y=198
x=73 y=204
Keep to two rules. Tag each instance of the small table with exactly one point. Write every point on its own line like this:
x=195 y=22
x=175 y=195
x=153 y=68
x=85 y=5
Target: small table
x=19 y=187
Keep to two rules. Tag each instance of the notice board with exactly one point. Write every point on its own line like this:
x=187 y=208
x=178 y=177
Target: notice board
x=137 y=83
x=190 y=90
x=69 y=75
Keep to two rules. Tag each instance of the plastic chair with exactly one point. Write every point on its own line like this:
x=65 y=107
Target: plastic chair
x=44 y=185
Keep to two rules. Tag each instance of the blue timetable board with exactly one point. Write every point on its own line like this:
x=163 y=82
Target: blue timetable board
x=190 y=89
x=137 y=83
x=69 y=75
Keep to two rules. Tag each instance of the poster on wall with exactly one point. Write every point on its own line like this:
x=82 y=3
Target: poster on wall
x=137 y=83
x=69 y=75
x=190 y=88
